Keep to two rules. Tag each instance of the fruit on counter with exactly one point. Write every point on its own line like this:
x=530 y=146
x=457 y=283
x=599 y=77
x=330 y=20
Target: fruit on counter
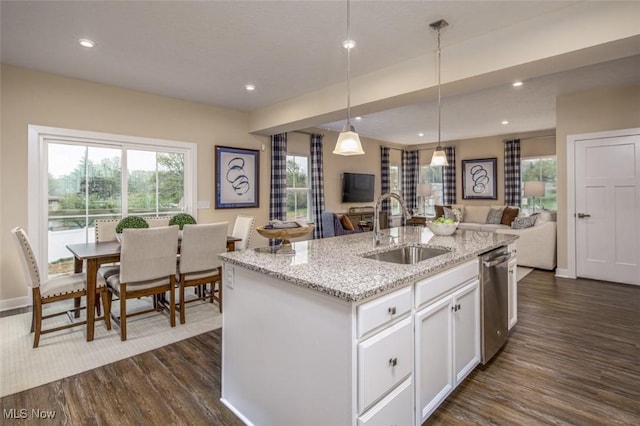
x=443 y=219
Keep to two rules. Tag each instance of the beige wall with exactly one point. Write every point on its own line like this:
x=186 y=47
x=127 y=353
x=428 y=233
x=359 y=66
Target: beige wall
x=589 y=112
x=30 y=97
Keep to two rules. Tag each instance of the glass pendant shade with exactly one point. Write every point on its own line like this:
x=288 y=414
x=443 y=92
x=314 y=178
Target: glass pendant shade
x=348 y=142
x=439 y=157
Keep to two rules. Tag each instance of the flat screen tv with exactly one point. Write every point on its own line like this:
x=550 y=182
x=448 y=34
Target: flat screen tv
x=357 y=187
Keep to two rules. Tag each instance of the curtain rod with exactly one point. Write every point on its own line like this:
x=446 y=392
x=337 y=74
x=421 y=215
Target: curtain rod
x=398 y=149
x=306 y=133
x=537 y=137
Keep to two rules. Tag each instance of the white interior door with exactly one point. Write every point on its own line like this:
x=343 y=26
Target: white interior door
x=608 y=208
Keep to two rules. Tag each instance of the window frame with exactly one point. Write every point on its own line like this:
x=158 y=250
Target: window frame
x=37 y=175
x=538 y=158
x=307 y=157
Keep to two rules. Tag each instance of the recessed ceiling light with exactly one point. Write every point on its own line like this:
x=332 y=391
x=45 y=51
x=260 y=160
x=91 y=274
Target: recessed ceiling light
x=250 y=87
x=358 y=118
x=349 y=44
x=85 y=42
x=421 y=134
x=505 y=122
x=517 y=84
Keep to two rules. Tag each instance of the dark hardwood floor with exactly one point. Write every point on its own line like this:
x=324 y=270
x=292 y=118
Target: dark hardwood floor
x=573 y=358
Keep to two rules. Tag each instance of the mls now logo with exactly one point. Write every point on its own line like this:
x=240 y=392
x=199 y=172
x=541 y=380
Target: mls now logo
x=23 y=413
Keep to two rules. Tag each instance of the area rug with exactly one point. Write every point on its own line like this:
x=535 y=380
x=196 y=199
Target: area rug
x=522 y=272
x=66 y=353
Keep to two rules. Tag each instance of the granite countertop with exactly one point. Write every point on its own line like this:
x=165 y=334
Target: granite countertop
x=335 y=266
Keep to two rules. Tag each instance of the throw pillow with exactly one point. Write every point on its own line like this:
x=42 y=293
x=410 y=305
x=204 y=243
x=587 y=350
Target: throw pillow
x=524 y=222
x=440 y=210
x=346 y=223
x=454 y=214
x=509 y=214
x=495 y=216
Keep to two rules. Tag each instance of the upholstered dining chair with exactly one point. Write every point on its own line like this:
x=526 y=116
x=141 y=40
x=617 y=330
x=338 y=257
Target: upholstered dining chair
x=199 y=264
x=106 y=231
x=243 y=228
x=147 y=268
x=56 y=289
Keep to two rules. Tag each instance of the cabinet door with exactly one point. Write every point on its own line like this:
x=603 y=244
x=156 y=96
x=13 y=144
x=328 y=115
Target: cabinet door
x=513 y=292
x=434 y=368
x=466 y=330
x=394 y=409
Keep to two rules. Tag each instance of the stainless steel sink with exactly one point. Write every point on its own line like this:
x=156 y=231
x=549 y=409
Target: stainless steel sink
x=407 y=255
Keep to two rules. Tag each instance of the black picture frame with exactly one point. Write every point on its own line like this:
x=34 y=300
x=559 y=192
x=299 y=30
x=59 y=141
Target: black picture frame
x=479 y=179
x=237 y=177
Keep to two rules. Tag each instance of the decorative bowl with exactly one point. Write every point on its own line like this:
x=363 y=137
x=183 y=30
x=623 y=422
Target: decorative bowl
x=443 y=228
x=284 y=234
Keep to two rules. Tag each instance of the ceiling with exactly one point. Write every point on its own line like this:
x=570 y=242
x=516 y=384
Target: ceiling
x=207 y=51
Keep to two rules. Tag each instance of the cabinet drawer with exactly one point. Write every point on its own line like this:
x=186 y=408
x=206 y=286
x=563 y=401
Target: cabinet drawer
x=394 y=409
x=383 y=309
x=384 y=360
x=432 y=287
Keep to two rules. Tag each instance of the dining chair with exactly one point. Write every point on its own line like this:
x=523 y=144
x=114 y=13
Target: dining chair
x=147 y=268
x=106 y=231
x=243 y=229
x=199 y=264
x=57 y=289
x=157 y=221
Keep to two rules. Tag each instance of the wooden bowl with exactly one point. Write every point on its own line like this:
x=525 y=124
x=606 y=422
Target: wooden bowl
x=284 y=234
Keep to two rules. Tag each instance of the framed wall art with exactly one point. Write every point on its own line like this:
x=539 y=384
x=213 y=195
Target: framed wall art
x=479 y=179
x=237 y=176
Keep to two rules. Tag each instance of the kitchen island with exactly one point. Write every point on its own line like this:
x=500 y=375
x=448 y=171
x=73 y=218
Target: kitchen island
x=327 y=336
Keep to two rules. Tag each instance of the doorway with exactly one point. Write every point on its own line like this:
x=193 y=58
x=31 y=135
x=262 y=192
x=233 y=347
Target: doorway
x=605 y=218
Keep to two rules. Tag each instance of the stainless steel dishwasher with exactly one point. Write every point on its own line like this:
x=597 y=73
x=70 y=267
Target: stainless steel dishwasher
x=494 y=280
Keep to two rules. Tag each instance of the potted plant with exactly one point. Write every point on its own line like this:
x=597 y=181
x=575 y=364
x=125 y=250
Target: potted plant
x=130 y=222
x=182 y=219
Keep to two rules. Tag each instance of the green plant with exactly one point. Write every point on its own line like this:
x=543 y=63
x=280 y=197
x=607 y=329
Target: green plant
x=182 y=219
x=131 y=222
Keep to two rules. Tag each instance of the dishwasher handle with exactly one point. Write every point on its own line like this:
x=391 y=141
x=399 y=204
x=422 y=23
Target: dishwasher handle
x=496 y=261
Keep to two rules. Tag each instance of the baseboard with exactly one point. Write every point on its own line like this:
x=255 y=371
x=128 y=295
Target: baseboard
x=18 y=302
x=236 y=412
x=563 y=273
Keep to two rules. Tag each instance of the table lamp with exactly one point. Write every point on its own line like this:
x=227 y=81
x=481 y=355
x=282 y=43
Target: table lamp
x=533 y=189
x=424 y=191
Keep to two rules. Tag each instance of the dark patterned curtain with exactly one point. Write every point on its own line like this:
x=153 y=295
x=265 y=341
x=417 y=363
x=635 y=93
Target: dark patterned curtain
x=278 y=200
x=449 y=177
x=410 y=177
x=512 y=172
x=317 y=184
x=385 y=181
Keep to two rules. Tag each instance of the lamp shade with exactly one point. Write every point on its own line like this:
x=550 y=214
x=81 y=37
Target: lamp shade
x=424 y=189
x=534 y=188
x=439 y=158
x=348 y=143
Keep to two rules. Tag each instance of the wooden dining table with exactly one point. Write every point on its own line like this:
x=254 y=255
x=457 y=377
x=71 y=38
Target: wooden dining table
x=96 y=254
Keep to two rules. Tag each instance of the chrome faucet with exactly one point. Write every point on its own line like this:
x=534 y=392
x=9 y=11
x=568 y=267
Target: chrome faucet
x=376 y=214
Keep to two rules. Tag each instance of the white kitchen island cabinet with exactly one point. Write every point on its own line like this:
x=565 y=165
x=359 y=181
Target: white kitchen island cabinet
x=327 y=337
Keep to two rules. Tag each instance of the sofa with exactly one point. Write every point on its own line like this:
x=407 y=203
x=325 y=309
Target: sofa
x=536 y=245
x=332 y=225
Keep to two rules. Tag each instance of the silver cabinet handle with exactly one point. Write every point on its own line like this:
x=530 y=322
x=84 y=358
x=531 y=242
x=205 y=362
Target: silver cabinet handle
x=392 y=310
x=393 y=362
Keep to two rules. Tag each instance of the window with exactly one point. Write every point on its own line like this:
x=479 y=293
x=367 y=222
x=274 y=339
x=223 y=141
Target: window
x=394 y=182
x=298 y=191
x=84 y=176
x=432 y=175
x=539 y=169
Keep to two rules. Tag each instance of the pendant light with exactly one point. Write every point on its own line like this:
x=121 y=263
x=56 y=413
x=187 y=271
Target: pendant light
x=348 y=142
x=439 y=156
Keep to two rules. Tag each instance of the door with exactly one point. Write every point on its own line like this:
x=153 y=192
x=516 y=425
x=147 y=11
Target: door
x=608 y=208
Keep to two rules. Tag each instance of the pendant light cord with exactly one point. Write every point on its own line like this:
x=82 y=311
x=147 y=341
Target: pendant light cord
x=439 y=95
x=349 y=64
